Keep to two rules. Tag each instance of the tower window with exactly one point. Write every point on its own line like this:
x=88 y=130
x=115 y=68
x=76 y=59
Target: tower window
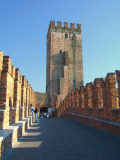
x=73 y=82
x=66 y=35
x=60 y=51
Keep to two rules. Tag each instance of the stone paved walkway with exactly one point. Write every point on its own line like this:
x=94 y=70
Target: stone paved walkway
x=65 y=139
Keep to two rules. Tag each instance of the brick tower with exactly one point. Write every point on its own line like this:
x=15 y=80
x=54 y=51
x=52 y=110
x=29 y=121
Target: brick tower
x=64 y=60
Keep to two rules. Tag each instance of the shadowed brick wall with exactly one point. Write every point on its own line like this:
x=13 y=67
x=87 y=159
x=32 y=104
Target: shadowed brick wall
x=100 y=99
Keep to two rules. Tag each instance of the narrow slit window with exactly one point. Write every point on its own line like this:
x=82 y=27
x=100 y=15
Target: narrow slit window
x=60 y=51
x=73 y=82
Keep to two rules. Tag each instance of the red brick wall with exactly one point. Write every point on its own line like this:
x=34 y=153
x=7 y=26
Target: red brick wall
x=98 y=99
x=16 y=94
x=95 y=122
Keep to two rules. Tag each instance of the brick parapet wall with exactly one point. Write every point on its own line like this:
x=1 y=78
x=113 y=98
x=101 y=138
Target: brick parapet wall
x=81 y=98
x=7 y=66
x=7 y=90
x=111 y=91
x=33 y=98
x=86 y=100
x=15 y=97
x=63 y=106
x=109 y=126
x=98 y=99
x=1 y=60
x=67 y=102
x=10 y=135
x=15 y=93
x=76 y=98
x=72 y=99
x=118 y=82
x=69 y=99
x=24 y=97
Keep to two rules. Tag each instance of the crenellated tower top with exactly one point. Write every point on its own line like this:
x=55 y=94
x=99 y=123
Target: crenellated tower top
x=65 y=28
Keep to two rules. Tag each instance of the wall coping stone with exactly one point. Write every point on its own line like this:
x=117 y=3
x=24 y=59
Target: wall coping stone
x=3 y=110
x=115 y=109
x=10 y=129
x=14 y=108
x=96 y=119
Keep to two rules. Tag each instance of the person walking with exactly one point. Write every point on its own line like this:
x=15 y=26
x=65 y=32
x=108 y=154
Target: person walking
x=49 y=112
x=36 y=114
x=32 y=109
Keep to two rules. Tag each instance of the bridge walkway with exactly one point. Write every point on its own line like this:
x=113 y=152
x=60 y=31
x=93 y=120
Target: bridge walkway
x=65 y=139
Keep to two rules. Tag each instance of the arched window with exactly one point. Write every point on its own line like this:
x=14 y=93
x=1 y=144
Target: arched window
x=66 y=35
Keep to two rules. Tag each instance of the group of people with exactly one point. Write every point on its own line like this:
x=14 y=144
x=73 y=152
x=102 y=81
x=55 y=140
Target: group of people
x=46 y=115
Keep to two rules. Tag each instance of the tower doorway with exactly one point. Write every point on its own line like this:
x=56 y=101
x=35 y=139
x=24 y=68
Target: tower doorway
x=43 y=109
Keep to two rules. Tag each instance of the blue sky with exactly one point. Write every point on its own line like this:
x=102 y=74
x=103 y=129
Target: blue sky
x=24 y=25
